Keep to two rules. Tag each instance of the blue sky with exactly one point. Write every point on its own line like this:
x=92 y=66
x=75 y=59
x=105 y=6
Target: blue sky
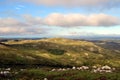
x=56 y=18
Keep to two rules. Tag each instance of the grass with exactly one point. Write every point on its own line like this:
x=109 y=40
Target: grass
x=40 y=74
x=57 y=53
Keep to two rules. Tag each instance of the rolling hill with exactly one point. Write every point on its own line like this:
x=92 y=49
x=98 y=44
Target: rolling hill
x=56 y=52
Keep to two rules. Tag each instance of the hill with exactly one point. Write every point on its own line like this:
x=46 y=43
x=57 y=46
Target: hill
x=56 y=52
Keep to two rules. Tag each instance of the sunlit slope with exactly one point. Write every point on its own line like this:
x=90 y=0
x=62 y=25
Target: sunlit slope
x=14 y=56
x=63 y=52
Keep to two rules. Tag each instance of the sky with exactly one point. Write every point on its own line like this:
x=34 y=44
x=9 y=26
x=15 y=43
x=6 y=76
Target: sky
x=59 y=18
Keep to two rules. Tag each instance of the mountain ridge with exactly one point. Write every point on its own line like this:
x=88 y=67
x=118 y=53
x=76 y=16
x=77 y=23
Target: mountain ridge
x=58 y=51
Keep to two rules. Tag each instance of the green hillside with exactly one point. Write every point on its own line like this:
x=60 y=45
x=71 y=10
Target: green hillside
x=56 y=52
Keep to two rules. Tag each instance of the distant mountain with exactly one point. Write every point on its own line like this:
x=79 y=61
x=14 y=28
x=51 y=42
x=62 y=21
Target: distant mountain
x=57 y=52
x=112 y=45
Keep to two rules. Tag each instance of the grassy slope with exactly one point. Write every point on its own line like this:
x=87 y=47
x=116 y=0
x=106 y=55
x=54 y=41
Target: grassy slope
x=40 y=74
x=56 y=51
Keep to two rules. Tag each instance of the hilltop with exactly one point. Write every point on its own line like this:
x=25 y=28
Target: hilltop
x=56 y=52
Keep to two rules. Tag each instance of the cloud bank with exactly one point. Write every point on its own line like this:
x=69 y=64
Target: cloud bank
x=62 y=20
x=72 y=20
x=32 y=25
x=77 y=3
x=11 y=26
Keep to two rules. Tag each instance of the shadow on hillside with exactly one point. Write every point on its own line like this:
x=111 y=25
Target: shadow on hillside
x=56 y=51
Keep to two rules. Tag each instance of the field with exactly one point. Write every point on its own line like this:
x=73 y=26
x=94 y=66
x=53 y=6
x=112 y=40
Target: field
x=59 y=59
x=47 y=74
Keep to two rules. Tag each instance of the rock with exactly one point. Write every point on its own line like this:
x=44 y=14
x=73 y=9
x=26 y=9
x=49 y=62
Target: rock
x=45 y=79
x=73 y=68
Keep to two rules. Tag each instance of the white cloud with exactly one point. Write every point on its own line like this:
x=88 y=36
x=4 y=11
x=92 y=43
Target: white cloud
x=72 y=20
x=11 y=30
x=32 y=25
x=32 y=20
x=11 y=22
x=21 y=31
x=11 y=26
x=63 y=20
x=77 y=3
x=19 y=7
